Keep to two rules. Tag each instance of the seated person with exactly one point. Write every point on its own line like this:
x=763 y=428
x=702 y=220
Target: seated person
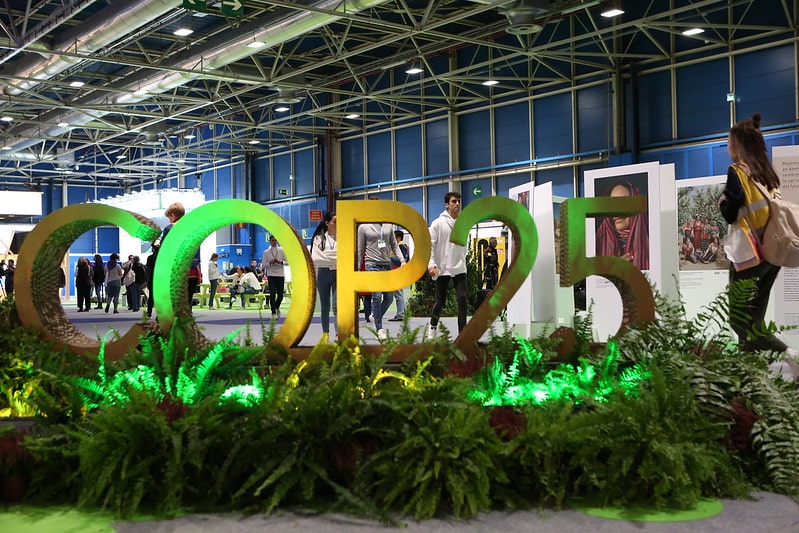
x=687 y=250
x=712 y=253
x=243 y=283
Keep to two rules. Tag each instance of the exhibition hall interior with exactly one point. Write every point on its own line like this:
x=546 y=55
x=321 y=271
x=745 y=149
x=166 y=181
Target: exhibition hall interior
x=299 y=106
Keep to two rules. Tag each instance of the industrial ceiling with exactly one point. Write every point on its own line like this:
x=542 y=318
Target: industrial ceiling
x=85 y=83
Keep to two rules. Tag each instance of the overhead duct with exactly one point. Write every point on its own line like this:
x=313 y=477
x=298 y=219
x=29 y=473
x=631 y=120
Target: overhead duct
x=217 y=53
x=99 y=30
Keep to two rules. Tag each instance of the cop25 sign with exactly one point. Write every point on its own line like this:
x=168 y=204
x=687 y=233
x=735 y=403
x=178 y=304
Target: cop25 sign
x=37 y=285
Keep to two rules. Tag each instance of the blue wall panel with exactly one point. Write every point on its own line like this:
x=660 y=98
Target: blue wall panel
x=305 y=172
x=107 y=241
x=261 y=187
x=698 y=162
x=352 y=163
x=594 y=119
x=474 y=132
x=764 y=83
x=223 y=183
x=702 y=106
x=435 y=201
x=413 y=198
x=512 y=133
x=281 y=166
x=552 y=125
x=562 y=181
x=408 y=143
x=437 y=151
x=505 y=183
x=379 y=158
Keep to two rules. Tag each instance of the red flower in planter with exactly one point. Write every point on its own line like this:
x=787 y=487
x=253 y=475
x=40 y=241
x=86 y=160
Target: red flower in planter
x=507 y=421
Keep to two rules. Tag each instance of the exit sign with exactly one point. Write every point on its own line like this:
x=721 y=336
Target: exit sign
x=195 y=5
x=284 y=192
x=233 y=8
x=315 y=215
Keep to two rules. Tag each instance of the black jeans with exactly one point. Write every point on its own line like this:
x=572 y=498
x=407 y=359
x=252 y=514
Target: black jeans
x=442 y=283
x=276 y=289
x=765 y=273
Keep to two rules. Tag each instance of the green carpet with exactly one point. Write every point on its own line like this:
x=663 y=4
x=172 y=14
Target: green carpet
x=61 y=519
x=705 y=509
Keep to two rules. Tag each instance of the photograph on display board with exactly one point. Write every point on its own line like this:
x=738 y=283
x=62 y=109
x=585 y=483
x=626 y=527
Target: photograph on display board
x=628 y=236
x=701 y=231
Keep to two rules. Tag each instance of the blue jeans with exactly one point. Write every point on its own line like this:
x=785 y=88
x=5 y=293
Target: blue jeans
x=134 y=296
x=112 y=289
x=326 y=285
x=381 y=301
x=247 y=290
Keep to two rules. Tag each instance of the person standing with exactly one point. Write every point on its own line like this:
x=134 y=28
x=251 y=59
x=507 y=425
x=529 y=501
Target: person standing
x=399 y=295
x=742 y=206
x=83 y=284
x=324 y=255
x=213 y=279
x=135 y=288
x=174 y=213
x=376 y=242
x=113 y=282
x=11 y=268
x=447 y=262
x=491 y=264
x=98 y=277
x=274 y=259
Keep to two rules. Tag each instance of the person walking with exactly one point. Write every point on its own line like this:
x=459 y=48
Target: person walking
x=399 y=294
x=742 y=205
x=324 y=255
x=274 y=259
x=447 y=262
x=135 y=288
x=376 y=242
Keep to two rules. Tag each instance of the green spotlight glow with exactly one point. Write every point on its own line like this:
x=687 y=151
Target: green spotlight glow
x=500 y=385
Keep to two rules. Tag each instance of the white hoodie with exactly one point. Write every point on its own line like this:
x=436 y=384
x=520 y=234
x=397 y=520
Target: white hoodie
x=448 y=257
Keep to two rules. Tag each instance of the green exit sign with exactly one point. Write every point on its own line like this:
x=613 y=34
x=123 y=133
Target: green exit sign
x=477 y=191
x=195 y=5
x=233 y=8
x=284 y=192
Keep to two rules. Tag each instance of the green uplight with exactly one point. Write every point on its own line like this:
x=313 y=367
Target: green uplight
x=526 y=381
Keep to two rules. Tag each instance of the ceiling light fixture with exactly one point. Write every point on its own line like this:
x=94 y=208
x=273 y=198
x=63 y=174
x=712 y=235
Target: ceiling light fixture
x=256 y=44
x=183 y=32
x=352 y=116
x=489 y=83
x=6 y=118
x=693 y=31
x=122 y=156
x=414 y=68
x=254 y=141
x=189 y=136
x=62 y=124
x=281 y=108
x=6 y=148
x=612 y=12
x=76 y=84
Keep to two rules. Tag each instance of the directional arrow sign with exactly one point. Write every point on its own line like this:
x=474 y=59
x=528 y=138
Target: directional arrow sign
x=195 y=5
x=232 y=8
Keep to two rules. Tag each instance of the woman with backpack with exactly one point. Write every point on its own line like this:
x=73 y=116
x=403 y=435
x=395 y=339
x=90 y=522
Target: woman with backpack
x=742 y=205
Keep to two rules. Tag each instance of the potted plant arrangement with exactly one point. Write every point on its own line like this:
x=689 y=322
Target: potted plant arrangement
x=15 y=463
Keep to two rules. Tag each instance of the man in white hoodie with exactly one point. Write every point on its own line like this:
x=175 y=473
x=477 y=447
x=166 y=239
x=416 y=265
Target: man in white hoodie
x=447 y=261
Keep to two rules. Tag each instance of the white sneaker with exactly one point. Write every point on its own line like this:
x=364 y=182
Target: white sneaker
x=371 y=318
x=381 y=334
x=432 y=332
